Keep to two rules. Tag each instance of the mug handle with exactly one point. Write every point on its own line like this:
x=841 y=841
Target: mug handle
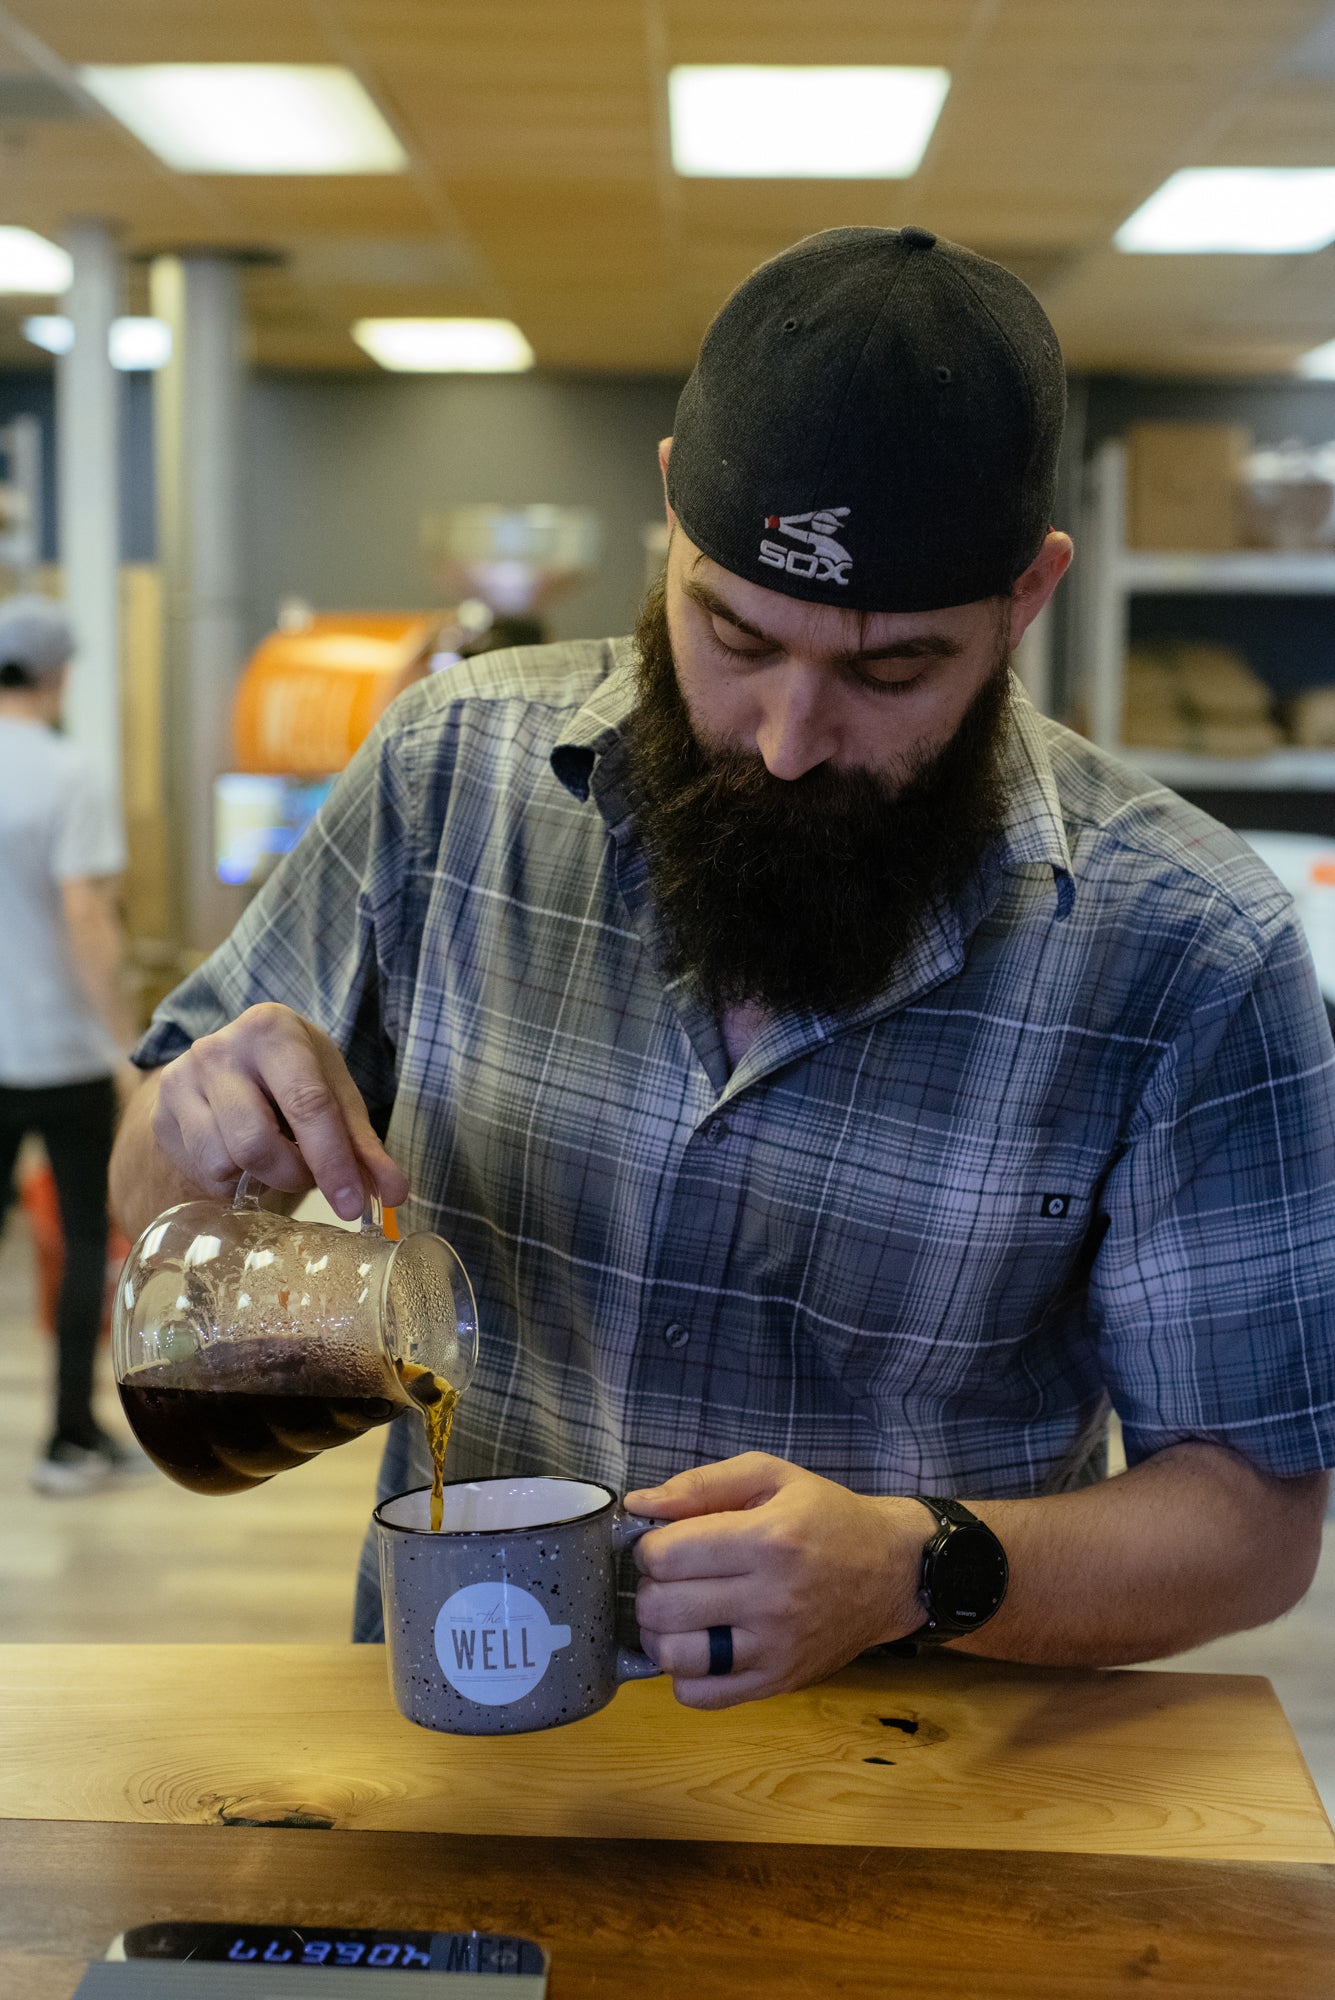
x=632 y=1665
x=249 y=1189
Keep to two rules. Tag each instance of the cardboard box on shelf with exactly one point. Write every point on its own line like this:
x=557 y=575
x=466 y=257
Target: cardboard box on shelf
x=1195 y=695
x=1311 y=718
x=1185 y=486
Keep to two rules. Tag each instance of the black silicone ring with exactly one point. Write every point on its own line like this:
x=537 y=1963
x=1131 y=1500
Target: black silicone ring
x=720 y=1649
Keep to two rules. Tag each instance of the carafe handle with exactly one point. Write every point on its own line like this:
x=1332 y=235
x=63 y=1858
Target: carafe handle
x=249 y=1189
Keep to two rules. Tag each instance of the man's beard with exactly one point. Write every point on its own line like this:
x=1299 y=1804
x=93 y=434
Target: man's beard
x=806 y=892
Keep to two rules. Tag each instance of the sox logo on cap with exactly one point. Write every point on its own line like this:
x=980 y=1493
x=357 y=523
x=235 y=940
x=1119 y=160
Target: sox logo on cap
x=820 y=556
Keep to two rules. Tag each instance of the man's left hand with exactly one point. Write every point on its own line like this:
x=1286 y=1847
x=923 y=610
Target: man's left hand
x=807 y=1574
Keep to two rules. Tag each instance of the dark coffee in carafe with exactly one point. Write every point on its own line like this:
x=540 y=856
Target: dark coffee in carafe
x=233 y=1414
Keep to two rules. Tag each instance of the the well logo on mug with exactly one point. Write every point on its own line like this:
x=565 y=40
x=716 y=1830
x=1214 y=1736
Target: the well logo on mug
x=495 y=1642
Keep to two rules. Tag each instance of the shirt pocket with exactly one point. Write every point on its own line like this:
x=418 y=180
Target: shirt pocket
x=940 y=1239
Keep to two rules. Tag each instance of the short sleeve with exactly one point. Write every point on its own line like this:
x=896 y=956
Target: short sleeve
x=322 y=936
x=1213 y=1290
x=88 y=838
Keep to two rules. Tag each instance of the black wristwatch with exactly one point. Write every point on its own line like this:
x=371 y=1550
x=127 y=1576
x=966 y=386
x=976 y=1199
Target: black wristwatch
x=964 y=1573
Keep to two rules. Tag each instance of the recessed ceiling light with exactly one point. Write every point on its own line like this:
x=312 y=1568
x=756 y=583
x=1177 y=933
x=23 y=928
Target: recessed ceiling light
x=250 y=118
x=51 y=331
x=30 y=265
x=1205 y=211
x=139 y=344
x=133 y=344
x=1319 y=362
x=445 y=346
x=818 y=123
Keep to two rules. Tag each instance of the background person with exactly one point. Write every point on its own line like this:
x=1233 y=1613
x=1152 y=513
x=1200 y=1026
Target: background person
x=64 y=1024
x=839 y=1080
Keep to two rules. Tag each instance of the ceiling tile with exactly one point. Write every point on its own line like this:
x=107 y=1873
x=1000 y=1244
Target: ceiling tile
x=541 y=187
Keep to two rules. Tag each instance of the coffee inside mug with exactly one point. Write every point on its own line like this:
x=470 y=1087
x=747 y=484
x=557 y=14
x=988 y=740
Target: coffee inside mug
x=499 y=1506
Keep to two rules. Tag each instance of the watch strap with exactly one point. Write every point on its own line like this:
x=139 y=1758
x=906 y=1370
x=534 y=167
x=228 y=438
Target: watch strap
x=948 y=1513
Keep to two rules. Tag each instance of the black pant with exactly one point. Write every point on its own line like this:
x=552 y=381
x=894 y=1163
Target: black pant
x=76 y=1123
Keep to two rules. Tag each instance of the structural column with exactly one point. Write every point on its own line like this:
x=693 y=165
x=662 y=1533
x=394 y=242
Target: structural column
x=88 y=484
x=197 y=420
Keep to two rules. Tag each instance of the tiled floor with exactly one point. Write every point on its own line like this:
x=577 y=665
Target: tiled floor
x=155 y=1563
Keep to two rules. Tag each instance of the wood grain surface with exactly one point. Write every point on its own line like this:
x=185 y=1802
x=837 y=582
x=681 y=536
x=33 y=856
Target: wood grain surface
x=663 y=1919
x=929 y=1753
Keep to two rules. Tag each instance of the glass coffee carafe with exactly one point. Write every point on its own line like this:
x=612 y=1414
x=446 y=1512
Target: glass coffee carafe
x=245 y=1341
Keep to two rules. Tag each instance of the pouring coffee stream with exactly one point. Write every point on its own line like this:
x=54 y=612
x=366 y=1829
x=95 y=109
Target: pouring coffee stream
x=246 y=1342
x=437 y=1401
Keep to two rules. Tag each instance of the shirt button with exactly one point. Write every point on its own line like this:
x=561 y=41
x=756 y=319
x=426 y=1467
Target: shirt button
x=717 y=1130
x=676 y=1335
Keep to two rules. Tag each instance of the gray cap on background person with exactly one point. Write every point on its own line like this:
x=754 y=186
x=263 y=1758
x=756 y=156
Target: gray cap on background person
x=36 y=640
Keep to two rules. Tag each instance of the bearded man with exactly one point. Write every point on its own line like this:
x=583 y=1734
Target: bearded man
x=842 y=1084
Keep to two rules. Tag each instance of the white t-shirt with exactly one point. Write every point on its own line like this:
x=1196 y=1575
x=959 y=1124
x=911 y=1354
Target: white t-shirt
x=56 y=825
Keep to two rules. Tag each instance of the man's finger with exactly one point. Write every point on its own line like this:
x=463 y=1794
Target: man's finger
x=723 y=1690
x=721 y=1545
x=245 y=1131
x=721 y=1488
x=209 y=1160
x=390 y=1181
x=685 y=1655
x=688 y=1607
x=304 y=1095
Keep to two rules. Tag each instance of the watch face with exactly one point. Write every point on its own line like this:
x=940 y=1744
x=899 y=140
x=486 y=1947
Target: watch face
x=967 y=1577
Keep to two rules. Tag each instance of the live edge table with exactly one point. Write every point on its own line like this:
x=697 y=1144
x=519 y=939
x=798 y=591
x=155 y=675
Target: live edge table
x=943 y=1828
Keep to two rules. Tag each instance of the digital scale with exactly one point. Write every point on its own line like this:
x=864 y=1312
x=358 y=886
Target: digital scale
x=181 y=1961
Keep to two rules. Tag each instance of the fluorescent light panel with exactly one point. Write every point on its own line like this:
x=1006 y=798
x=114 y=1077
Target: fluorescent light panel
x=1238 y=211
x=817 y=123
x=133 y=344
x=32 y=266
x=51 y=331
x=249 y=118
x=1318 y=364
x=138 y=345
x=445 y=346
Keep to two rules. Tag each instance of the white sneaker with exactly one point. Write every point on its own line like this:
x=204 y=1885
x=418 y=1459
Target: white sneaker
x=68 y=1470
x=126 y=1461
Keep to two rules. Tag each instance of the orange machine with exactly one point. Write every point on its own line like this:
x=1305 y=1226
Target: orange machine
x=308 y=697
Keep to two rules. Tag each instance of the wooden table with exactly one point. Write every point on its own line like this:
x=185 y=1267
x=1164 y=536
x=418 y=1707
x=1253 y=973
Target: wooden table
x=939 y=1827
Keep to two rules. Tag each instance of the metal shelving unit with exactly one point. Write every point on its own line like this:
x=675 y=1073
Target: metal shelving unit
x=1114 y=573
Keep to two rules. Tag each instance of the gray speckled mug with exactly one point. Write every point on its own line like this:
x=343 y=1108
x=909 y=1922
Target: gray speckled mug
x=505 y=1620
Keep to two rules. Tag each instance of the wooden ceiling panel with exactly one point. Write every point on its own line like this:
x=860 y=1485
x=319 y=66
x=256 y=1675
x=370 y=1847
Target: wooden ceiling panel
x=422 y=27
x=791 y=31
x=542 y=235
x=1139 y=39
x=562 y=114
x=776 y=213
x=1287 y=125
x=355 y=204
x=50 y=174
x=1102 y=102
x=144 y=31
x=1281 y=298
x=541 y=185
x=1142 y=303
x=606 y=145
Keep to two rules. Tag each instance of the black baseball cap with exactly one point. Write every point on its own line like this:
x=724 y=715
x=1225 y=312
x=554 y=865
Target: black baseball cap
x=874 y=422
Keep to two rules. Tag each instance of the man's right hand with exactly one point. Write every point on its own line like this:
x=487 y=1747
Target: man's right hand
x=270 y=1095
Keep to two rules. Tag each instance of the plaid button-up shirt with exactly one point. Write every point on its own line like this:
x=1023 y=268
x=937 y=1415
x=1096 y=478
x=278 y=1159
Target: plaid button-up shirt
x=1079 y=1150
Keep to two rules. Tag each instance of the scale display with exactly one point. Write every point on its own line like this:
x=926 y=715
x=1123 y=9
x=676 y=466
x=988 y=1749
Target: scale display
x=484 y=1952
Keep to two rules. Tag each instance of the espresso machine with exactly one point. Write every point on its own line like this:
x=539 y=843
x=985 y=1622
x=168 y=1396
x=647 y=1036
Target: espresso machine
x=509 y=563
x=317 y=684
